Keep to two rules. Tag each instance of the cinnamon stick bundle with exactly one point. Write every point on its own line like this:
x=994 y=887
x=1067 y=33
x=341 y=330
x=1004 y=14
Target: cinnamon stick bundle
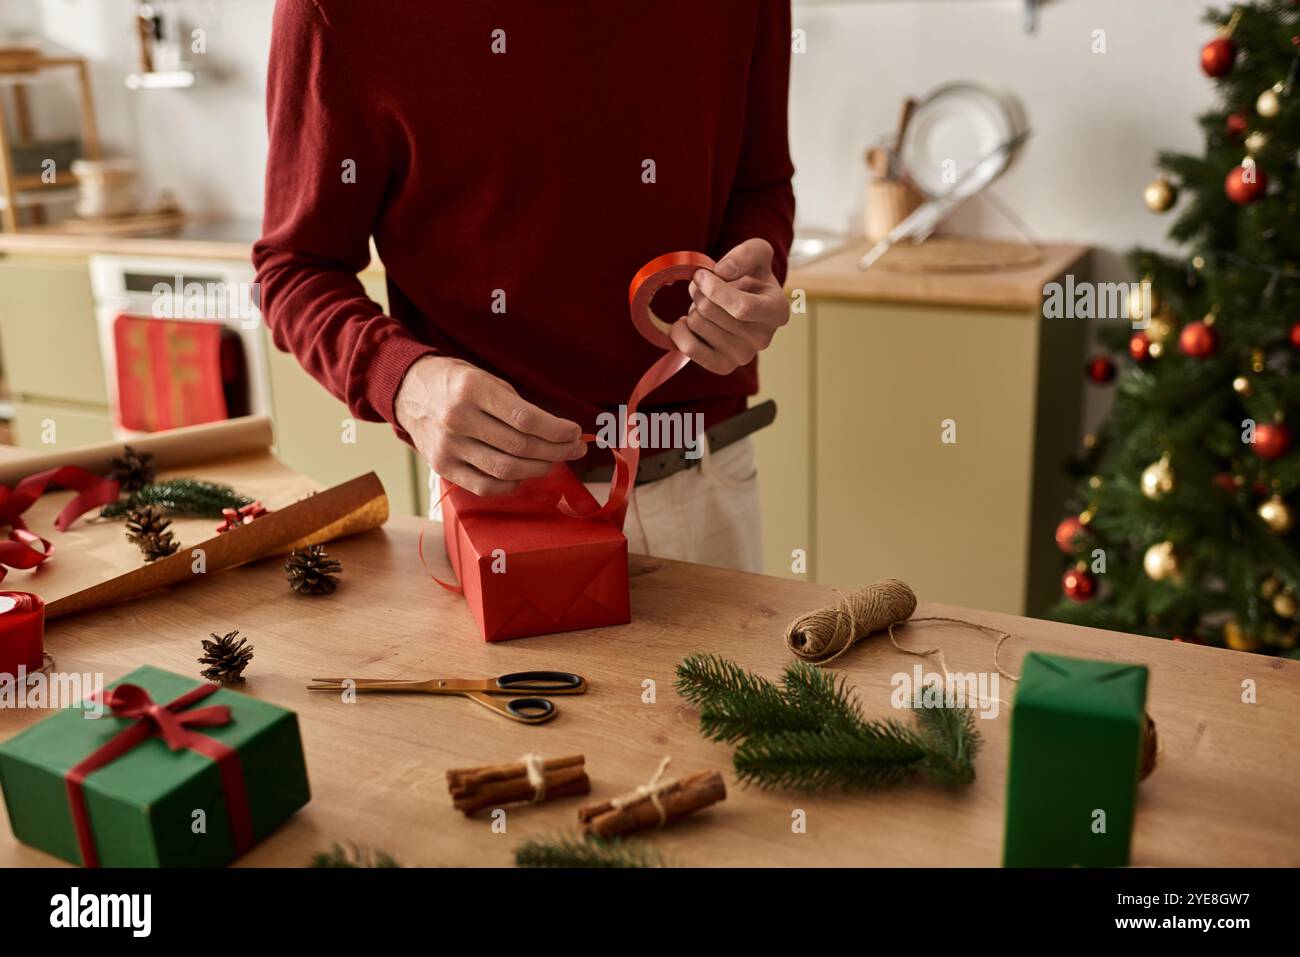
x=473 y=789
x=638 y=812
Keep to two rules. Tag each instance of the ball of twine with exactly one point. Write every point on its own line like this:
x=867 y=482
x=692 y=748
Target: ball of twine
x=823 y=635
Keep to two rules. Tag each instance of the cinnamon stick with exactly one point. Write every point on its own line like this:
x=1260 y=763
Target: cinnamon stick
x=678 y=799
x=473 y=789
x=473 y=777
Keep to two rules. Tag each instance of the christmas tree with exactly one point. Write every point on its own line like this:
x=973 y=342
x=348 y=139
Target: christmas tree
x=1184 y=526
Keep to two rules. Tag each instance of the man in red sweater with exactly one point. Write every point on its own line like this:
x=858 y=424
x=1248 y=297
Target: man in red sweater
x=516 y=164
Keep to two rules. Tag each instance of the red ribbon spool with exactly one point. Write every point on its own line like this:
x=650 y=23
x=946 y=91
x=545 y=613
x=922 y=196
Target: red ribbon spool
x=22 y=632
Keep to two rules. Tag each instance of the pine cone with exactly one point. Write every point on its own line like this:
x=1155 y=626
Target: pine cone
x=133 y=470
x=147 y=527
x=226 y=657
x=312 y=571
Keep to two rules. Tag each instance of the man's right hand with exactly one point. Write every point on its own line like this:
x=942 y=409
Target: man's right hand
x=476 y=431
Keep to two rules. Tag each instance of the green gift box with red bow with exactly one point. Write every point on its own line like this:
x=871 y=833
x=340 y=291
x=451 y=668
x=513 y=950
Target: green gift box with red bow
x=173 y=773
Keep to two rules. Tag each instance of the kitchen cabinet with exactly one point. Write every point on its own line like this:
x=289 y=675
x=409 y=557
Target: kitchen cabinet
x=51 y=351
x=858 y=472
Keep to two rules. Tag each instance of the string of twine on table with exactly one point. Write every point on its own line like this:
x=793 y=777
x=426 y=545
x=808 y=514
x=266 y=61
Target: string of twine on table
x=651 y=789
x=535 y=768
x=821 y=636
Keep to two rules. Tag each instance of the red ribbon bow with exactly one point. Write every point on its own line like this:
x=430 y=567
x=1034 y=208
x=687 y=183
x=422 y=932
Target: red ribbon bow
x=21 y=550
x=173 y=724
x=235 y=517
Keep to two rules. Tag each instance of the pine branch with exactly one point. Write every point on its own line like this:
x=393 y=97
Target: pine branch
x=586 y=851
x=353 y=856
x=180 y=496
x=734 y=703
x=832 y=757
x=809 y=732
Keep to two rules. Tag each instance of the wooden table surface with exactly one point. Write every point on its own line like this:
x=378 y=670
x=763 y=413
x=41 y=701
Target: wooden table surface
x=1226 y=791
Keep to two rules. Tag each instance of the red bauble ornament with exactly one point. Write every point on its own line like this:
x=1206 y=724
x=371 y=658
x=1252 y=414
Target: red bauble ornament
x=1139 y=347
x=1244 y=187
x=1294 y=335
x=1198 y=340
x=1079 y=584
x=1100 y=369
x=1236 y=125
x=1226 y=482
x=1271 y=441
x=1217 y=56
x=1068 y=532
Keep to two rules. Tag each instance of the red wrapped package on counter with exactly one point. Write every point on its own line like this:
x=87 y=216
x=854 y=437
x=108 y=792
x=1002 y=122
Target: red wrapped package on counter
x=546 y=557
x=526 y=568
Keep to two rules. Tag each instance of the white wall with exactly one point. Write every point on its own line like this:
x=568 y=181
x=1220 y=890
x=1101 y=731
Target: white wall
x=1098 y=118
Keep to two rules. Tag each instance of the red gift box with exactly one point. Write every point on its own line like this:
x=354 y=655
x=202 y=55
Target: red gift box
x=526 y=568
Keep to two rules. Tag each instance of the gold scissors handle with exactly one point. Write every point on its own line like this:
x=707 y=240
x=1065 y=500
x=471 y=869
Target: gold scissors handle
x=525 y=710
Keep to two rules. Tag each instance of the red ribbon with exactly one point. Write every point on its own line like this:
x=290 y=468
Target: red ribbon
x=172 y=723
x=238 y=517
x=21 y=550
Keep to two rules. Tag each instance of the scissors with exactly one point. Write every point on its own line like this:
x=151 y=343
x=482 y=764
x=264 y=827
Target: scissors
x=529 y=710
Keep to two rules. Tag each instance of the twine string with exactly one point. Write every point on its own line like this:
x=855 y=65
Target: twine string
x=536 y=771
x=651 y=789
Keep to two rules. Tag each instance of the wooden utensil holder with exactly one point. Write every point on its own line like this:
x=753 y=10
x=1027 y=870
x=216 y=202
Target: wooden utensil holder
x=888 y=203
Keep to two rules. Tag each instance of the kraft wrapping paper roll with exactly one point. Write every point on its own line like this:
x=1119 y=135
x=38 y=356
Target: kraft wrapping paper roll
x=96 y=565
x=22 y=632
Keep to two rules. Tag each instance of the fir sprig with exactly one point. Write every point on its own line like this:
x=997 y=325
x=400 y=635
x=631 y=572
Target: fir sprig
x=353 y=855
x=180 y=496
x=808 y=732
x=588 y=850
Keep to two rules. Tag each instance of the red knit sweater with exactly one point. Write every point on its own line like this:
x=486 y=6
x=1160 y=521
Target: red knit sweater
x=497 y=152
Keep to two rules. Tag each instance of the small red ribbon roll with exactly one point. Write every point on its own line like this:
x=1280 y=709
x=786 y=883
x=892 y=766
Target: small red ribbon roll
x=22 y=632
x=653 y=276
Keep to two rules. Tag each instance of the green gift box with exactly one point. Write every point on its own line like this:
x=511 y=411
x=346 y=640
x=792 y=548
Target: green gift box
x=1076 y=752
x=148 y=785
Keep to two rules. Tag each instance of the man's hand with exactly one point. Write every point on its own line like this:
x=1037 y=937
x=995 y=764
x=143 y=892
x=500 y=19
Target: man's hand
x=476 y=431
x=735 y=312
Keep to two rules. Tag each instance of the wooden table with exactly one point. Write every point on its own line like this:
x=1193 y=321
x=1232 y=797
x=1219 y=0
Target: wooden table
x=1226 y=791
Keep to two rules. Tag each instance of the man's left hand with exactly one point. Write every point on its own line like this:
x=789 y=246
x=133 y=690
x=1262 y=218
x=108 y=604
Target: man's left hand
x=735 y=310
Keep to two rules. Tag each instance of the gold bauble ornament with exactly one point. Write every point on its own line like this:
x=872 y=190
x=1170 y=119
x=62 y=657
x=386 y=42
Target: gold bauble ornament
x=1256 y=141
x=1269 y=103
x=1136 y=299
x=1269 y=587
x=1161 y=561
x=1158 y=479
x=1094 y=482
x=1160 y=327
x=1241 y=385
x=1236 y=639
x=1159 y=194
x=1276 y=514
x=1284 y=605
